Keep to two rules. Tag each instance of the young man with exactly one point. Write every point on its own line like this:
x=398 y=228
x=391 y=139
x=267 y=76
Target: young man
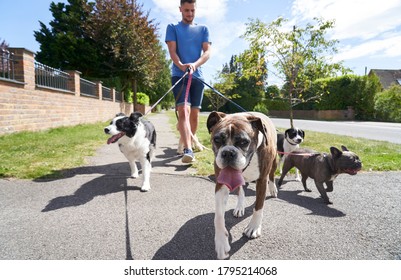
x=189 y=47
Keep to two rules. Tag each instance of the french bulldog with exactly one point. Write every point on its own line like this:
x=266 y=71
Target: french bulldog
x=321 y=167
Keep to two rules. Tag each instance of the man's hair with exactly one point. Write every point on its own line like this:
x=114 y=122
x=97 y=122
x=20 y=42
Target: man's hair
x=188 y=1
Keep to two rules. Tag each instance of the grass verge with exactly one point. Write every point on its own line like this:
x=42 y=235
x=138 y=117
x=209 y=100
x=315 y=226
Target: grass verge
x=30 y=155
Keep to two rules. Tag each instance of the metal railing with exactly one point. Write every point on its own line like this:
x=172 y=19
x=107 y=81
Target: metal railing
x=106 y=93
x=6 y=64
x=88 y=88
x=119 y=96
x=49 y=77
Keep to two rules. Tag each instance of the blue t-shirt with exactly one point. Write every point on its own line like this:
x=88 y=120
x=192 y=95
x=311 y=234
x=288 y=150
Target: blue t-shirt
x=189 y=39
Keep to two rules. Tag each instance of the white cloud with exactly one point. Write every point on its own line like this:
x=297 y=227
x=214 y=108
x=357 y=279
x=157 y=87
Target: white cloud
x=207 y=10
x=368 y=28
x=354 y=18
x=386 y=47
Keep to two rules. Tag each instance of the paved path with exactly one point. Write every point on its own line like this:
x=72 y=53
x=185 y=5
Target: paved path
x=96 y=212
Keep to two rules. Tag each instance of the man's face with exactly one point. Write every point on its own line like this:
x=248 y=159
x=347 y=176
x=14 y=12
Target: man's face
x=188 y=12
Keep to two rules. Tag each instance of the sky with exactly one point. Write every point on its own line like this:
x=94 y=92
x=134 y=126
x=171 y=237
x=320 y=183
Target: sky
x=369 y=31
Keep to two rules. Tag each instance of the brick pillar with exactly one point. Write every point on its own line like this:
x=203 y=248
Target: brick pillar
x=113 y=94
x=74 y=82
x=99 y=91
x=24 y=63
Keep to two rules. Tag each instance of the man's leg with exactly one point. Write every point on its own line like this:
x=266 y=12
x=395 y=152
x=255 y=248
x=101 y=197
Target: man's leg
x=185 y=133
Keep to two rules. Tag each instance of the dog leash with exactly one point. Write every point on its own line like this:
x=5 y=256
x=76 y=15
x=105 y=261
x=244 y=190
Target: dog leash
x=203 y=82
x=164 y=95
x=220 y=94
x=298 y=154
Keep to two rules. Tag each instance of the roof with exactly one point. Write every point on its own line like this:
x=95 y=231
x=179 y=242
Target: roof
x=387 y=77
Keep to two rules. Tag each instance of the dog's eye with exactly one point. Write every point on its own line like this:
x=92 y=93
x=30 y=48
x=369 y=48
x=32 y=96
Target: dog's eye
x=243 y=142
x=218 y=140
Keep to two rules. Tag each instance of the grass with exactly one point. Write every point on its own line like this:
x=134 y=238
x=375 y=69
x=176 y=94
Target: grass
x=32 y=155
x=375 y=155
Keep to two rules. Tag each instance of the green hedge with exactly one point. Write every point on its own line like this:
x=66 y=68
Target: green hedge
x=388 y=104
x=349 y=90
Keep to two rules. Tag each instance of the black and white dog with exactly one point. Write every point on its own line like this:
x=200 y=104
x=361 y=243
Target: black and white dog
x=137 y=141
x=288 y=142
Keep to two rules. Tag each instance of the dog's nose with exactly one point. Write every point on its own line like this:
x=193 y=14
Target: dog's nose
x=106 y=130
x=228 y=154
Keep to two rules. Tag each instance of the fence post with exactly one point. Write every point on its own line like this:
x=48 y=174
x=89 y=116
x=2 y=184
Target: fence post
x=99 y=91
x=113 y=94
x=74 y=82
x=24 y=67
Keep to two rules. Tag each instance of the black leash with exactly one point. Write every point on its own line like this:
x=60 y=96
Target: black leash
x=220 y=94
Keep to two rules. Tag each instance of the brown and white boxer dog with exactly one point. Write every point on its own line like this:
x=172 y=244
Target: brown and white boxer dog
x=244 y=145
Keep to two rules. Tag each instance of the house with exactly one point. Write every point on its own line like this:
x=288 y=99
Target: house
x=387 y=77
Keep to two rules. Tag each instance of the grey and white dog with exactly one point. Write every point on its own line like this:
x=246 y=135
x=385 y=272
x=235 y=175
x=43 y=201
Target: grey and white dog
x=321 y=167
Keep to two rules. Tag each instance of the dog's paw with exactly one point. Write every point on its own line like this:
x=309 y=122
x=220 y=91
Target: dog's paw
x=239 y=211
x=253 y=231
x=145 y=187
x=273 y=189
x=221 y=245
x=135 y=175
x=254 y=228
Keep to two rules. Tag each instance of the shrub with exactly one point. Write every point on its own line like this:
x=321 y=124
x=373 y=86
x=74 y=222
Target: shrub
x=142 y=98
x=260 y=107
x=388 y=104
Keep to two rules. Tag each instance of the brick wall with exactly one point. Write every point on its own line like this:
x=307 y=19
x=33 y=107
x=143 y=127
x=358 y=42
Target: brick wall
x=26 y=107
x=340 y=115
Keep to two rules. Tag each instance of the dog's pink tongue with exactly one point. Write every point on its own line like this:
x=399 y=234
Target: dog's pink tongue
x=231 y=177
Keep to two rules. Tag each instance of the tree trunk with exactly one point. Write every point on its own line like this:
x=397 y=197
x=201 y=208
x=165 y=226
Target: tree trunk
x=134 y=96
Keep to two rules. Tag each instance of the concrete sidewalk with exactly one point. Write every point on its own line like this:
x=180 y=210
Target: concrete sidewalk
x=97 y=212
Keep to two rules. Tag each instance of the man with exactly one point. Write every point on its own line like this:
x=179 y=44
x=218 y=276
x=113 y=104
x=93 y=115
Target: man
x=189 y=47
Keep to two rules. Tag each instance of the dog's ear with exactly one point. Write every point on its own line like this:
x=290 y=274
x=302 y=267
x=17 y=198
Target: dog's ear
x=213 y=119
x=258 y=124
x=336 y=153
x=344 y=148
x=135 y=116
x=302 y=133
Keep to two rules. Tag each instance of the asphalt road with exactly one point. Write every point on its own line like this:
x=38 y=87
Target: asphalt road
x=382 y=131
x=97 y=213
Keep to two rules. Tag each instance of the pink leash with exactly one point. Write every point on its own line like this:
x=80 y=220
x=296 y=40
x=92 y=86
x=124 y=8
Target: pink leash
x=186 y=116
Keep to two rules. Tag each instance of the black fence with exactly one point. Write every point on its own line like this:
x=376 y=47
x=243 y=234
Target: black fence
x=49 y=77
x=6 y=64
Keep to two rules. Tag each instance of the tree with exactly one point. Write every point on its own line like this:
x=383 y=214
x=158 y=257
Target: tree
x=298 y=56
x=129 y=41
x=243 y=79
x=66 y=44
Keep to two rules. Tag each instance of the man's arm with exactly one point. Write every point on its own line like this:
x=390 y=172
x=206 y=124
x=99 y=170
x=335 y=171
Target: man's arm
x=172 y=49
x=206 y=47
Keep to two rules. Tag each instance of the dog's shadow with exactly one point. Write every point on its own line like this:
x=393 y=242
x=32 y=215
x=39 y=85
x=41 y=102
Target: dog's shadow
x=169 y=159
x=316 y=206
x=113 y=180
x=195 y=239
